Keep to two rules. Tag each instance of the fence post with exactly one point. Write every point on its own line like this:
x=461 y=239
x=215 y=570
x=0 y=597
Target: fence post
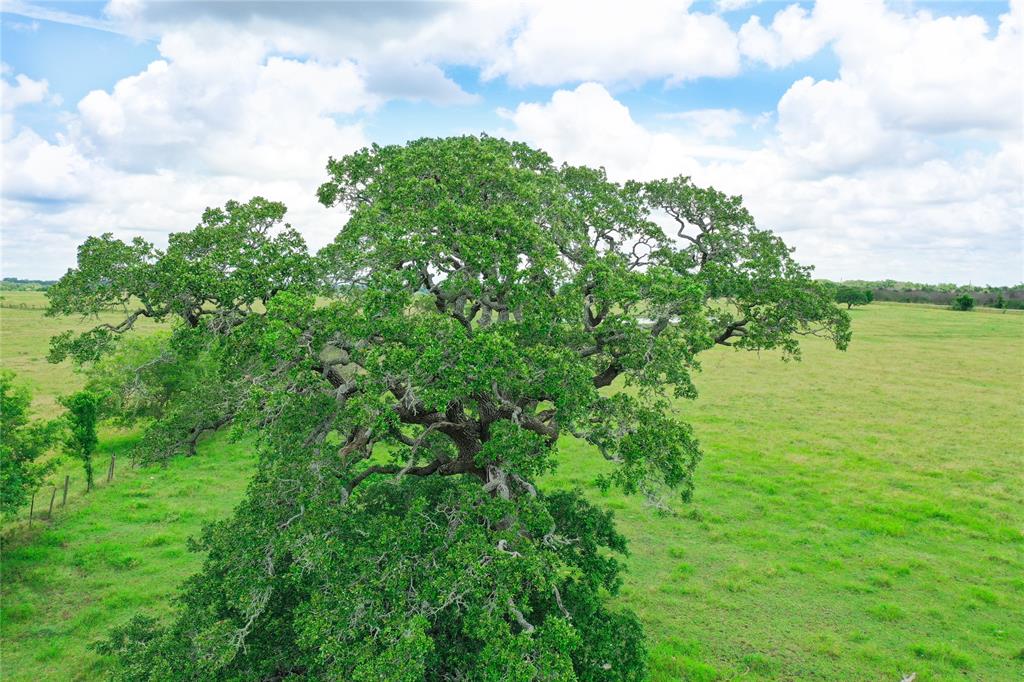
x=49 y=514
x=67 y=480
x=110 y=471
x=32 y=508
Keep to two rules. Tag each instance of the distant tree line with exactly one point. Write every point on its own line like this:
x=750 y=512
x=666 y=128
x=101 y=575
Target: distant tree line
x=17 y=284
x=1006 y=297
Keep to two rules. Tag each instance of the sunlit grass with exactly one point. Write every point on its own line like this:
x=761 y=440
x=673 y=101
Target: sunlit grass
x=858 y=516
x=117 y=551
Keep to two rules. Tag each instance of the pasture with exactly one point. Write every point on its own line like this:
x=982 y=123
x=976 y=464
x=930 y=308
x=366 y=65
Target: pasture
x=858 y=515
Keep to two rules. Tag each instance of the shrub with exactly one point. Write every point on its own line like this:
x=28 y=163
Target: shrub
x=81 y=440
x=963 y=302
x=21 y=444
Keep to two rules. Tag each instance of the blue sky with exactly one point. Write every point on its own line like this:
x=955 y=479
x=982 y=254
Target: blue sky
x=880 y=139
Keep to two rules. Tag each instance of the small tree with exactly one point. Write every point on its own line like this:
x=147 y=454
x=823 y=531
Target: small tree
x=81 y=440
x=1000 y=301
x=963 y=302
x=852 y=296
x=22 y=442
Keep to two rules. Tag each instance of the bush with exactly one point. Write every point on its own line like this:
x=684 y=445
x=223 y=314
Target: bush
x=81 y=441
x=963 y=302
x=21 y=444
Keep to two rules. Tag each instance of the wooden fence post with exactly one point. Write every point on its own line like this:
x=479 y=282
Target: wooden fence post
x=49 y=514
x=32 y=508
x=67 y=480
x=110 y=471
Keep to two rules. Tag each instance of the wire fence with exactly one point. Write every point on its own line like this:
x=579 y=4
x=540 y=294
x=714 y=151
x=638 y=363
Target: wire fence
x=57 y=487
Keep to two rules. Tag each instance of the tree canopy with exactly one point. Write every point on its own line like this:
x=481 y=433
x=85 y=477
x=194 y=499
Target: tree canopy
x=22 y=442
x=407 y=385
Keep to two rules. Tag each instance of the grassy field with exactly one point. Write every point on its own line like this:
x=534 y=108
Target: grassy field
x=25 y=340
x=858 y=516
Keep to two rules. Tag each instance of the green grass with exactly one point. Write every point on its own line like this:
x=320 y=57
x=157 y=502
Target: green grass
x=858 y=516
x=25 y=340
x=117 y=551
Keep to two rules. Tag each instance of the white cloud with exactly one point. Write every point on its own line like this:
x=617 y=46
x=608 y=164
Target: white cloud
x=17 y=92
x=589 y=126
x=733 y=5
x=398 y=46
x=225 y=107
x=612 y=42
x=832 y=127
x=865 y=168
x=718 y=124
x=793 y=35
x=213 y=120
x=937 y=73
x=530 y=42
x=919 y=72
x=33 y=167
x=23 y=90
x=918 y=216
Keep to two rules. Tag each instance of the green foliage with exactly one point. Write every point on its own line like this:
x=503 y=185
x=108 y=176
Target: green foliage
x=406 y=387
x=167 y=382
x=22 y=442
x=415 y=580
x=81 y=439
x=963 y=302
x=852 y=296
x=138 y=380
x=219 y=270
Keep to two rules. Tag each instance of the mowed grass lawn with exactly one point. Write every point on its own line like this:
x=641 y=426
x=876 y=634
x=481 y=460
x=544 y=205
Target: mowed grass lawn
x=858 y=516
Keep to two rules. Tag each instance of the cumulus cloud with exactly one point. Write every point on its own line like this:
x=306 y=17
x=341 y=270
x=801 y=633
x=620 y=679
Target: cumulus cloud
x=221 y=106
x=36 y=170
x=793 y=35
x=587 y=125
x=920 y=72
x=937 y=74
x=716 y=124
x=212 y=120
x=530 y=42
x=613 y=42
x=918 y=216
x=832 y=127
x=21 y=90
x=906 y=163
x=15 y=92
x=397 y=45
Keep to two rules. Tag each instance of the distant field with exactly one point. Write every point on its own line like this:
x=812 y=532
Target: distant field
x=858 y=516
x=25 y=340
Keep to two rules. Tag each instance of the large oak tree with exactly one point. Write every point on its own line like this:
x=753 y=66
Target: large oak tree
x=408 y=385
